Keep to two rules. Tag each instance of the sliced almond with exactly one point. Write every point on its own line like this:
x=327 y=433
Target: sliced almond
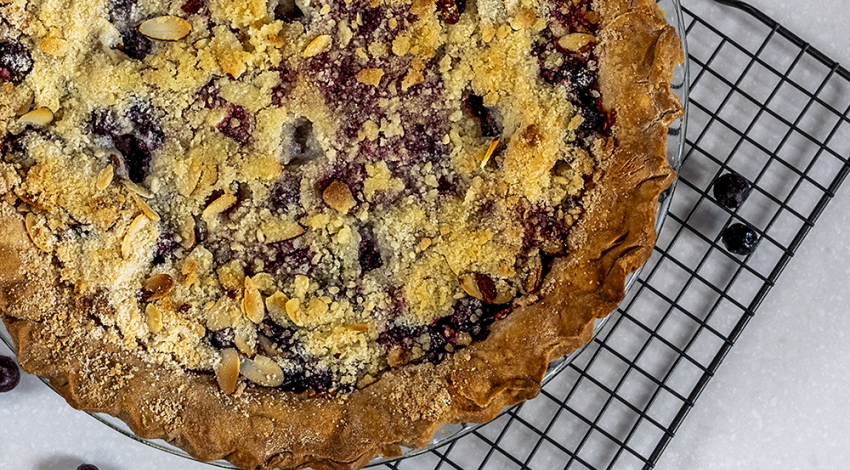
x=262 y=370
x=222 y=314
x=576 y=41
x=104 y=178
x=244 y=342
x=358 y=328
x=293 y=307
x=276 y=306
x=153 y=318
x=317 y=46
x=187 y=233
x=37 y=117
x=224 y=202
x=252 y=302
x=231 y=276
x=30 y=200
x=531 y=275
x=157 y=287
x=489 y=153
x=137 y=189
x=166 y=28
x=280 y=230
x=227 y=371
x=40 y=237
x=338 y=196
x=54 y=46
x=146 y=209
x=136 y=226
x=482 y=287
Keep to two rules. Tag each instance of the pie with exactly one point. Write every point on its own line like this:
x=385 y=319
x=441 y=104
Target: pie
x=291 y=233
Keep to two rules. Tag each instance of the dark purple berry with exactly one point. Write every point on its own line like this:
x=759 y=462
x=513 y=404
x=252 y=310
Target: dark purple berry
x=145 y=129
x=15 y=61
x=87 y=466
x=121 y=11
x=10 y=375
x=368 y=254
x=490 y=127
x=449 y=11
x=446 y=187
x=135 y=44
x=104 y=123
x=222 y=339
x=208 y=95
x=238 y=124
x=165 y=246
x=137 y=157
x=193 y=7
x=740 y=239
x=287 y=11
x=731 y=190
x=286 y=193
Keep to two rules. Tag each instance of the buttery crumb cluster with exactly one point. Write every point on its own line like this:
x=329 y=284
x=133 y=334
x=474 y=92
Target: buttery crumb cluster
x=299 y=194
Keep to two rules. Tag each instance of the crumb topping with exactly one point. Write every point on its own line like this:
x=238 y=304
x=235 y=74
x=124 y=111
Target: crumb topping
x=299 y=195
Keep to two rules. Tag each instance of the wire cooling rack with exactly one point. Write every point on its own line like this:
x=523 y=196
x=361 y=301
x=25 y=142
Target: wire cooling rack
x=764 y=104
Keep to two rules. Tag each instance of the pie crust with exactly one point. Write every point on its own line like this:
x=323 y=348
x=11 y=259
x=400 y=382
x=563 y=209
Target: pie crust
x=263 y=428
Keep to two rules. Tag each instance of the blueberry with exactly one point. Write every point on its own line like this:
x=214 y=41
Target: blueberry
x=368 y=254
x=238 y=124
x=221 y=339
x=285 y=193
x=135 y=44
x=193 y=7
x=165 y=246
x=731 y=190
x=104 y=123
x=490 y=127
x=121 y=11
x=740 y=239
x=87 y=466
x=145 y=128
x=15 y=61
x=137 y=157
x=10 y=375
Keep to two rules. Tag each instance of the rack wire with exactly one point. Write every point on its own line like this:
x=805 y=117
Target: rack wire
x=766 y=105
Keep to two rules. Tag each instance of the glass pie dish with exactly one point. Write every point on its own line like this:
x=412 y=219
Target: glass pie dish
x=451 y=433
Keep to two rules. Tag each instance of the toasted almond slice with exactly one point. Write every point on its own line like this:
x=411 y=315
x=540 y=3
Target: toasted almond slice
x=153 y=318
x=317 y=46
x=227 y=371
x=243 y=343
x=137 y=189
x=576 y=41
x=166 y=28
x=262 y=370
x=54 y=46
x=222 y=314
x=146 y=209
x=293 y=306
x=482 y=287
x=104 y=178
x=30 y=200
x=157 y=287
x=219 y=205
x=276 y=306
x=136 y=226
x=37 y=117
x=358 y=328
x=252 y=302
x=492 y=148
x=338 y=196
x=531 y=275
x=36 y=233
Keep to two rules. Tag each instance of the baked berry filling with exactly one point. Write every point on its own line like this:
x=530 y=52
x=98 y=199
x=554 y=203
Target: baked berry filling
x=314 y=194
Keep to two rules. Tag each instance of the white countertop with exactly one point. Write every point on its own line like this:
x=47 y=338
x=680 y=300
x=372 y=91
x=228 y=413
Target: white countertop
x=778 y=401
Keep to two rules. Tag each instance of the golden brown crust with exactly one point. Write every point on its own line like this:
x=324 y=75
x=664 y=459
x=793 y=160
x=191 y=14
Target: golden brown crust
x=264 y=429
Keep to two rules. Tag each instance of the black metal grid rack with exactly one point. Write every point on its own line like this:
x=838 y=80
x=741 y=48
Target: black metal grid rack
x=766 y=105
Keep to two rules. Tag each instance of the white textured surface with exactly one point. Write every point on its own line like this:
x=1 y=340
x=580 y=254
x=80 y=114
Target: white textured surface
x=777 y=402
